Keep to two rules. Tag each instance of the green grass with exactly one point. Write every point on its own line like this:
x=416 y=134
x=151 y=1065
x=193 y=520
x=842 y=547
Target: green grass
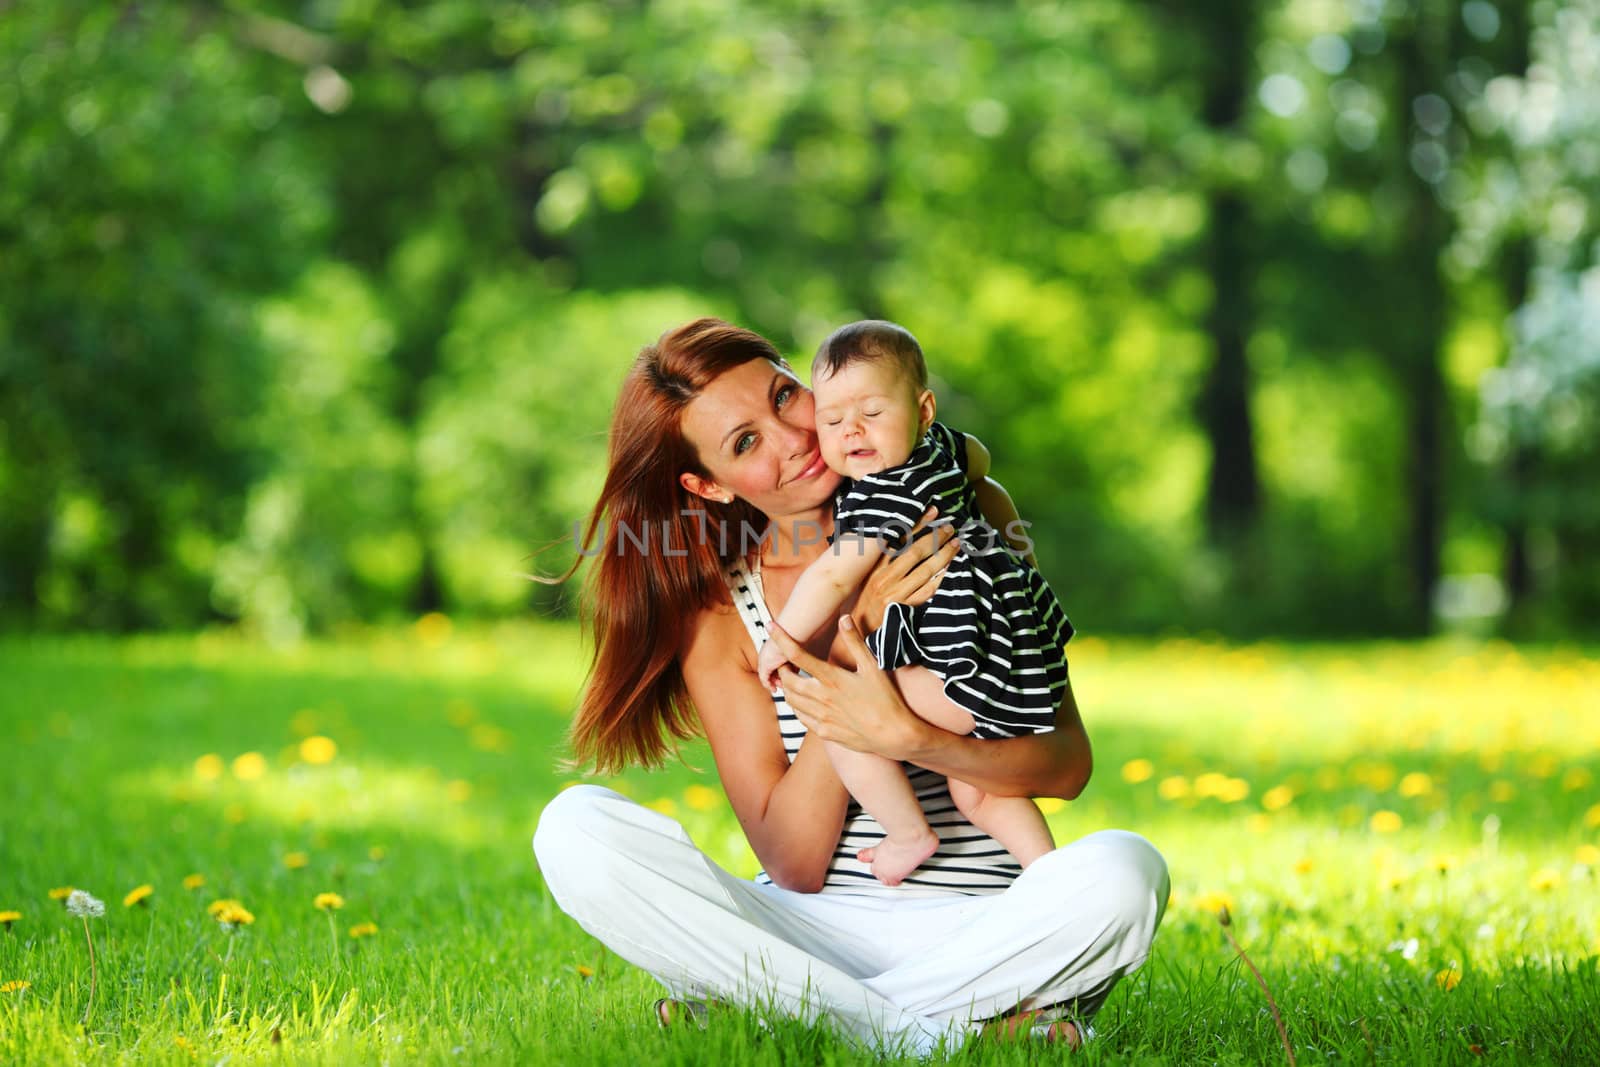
x=1373 y=815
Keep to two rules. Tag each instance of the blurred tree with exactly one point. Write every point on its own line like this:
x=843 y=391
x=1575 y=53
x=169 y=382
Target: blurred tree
x=141 y=212
x=311 y=312
x=1540 y=424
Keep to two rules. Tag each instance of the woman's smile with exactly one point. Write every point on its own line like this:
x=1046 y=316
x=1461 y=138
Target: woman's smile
x=813 y=467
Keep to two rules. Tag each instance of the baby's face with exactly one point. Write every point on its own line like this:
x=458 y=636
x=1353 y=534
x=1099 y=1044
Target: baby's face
x=869 y=417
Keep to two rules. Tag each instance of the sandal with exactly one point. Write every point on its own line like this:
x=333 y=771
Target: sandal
x=1067 y=1031
x=669 y=1012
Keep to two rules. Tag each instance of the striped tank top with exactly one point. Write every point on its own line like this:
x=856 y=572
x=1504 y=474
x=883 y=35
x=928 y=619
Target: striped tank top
x=967 y=860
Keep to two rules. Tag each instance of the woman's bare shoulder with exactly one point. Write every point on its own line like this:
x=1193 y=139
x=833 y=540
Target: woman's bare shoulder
x=715 y=641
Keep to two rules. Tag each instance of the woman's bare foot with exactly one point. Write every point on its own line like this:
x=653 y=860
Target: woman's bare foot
x=1025 y=1024
x=893 y=858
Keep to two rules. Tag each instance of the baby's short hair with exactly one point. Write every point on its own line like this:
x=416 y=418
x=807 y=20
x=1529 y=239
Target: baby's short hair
x=871 y=340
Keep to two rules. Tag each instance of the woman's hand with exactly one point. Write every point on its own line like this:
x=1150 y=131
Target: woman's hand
x=860 y=709
x=909 y=576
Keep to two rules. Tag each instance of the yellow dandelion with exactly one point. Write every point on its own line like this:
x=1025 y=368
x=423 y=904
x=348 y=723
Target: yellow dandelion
x=1543 y=765
x=433 y=629
x=585 y=973
x=1258 y=822
x=360 y=930
x=666 y=806
x=16 y=986
x=138 y=895
x=9 y=917
x=61 y=893
x=1502 y=791
x=377 y=853
x=1385 y=822
x=1233 y=790
x=1277 y=798
x=1213 y=903
x=208 y=768
x=461 y=714
x=1137 y=770
x=328 y=902
x=1576 y=779
x=318 y=749
x=1378 y=776
x=1210 y=784
x=250 y=766
x=459 y=790
x=487 y=738
x=1049 y=805
x=192 y=882
x=1304 y=866
x=1416 y=784
x=701 y=797
x=217 y=907
x=1174 y=788
x=235 y=914
x=1545 y=878
x=184 y=1043
x=1588 y=855
x=296 y=860
x=1392 y=880
x=1448 y=979
x=1445 y=864
x=1591 y=818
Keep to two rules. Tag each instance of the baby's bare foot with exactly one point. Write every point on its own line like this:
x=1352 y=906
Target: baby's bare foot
x=893 y=858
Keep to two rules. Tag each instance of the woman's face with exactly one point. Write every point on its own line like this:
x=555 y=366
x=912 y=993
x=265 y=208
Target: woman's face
x=755 y=431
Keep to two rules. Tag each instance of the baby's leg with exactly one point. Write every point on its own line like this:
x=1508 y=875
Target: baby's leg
x=882 y=788
x=1015 y=822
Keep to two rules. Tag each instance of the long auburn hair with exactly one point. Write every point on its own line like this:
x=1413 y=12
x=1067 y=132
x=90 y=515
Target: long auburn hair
x=635 y=706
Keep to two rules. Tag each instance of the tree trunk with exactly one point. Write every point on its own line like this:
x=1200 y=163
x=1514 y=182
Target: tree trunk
x=1419 y=327
x=1233 y=491
x=1516 y=266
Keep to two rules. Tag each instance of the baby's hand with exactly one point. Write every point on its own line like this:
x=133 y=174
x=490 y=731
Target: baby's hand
x=767 y=665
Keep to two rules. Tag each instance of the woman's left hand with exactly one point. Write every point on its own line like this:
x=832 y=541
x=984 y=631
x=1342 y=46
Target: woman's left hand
x=860 y=709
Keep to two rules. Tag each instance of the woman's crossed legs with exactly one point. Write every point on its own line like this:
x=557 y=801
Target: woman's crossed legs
x=887 y=969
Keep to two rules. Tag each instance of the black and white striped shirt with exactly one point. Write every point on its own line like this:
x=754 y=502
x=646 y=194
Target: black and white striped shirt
x=967 y=860
x=993 y=631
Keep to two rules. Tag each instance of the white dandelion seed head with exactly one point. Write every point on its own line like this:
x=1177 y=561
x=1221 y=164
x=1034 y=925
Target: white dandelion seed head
x=85 y=905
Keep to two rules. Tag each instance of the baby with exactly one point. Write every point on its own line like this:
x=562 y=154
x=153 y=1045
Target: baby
x=985 y=655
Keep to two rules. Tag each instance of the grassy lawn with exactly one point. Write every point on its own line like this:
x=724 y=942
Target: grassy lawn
x=1406 y=838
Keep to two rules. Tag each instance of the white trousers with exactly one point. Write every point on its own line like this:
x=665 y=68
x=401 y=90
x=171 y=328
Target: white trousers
x=894 y=972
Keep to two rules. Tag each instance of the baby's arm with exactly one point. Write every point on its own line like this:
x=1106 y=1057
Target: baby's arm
x=826 y=582
x=995 y=503
x=817 y=595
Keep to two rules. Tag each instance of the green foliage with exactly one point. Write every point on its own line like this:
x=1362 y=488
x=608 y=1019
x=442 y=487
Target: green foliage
x=309 y=313
x=512 y=443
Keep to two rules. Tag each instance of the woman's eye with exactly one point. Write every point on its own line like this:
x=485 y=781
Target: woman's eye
x=743 y=444
x=785 y=394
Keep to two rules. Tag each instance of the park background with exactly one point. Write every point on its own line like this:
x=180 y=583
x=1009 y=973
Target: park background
x=1281 y=319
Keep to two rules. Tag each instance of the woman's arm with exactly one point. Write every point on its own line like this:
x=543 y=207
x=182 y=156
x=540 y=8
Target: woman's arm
x=861 y=709
x=995 y=503
x=792 y=813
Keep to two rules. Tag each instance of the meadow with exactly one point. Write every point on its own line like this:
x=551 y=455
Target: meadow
x=1406 y=839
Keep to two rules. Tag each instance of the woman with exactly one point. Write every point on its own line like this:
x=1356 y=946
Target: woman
x=716 y=499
